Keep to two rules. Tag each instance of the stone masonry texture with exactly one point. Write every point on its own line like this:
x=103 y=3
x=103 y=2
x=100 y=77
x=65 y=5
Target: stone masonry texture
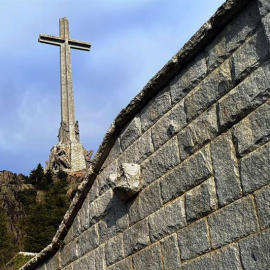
x=199 y=134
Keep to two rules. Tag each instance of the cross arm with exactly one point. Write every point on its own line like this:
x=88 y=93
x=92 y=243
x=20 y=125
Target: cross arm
x=79 y=45
x=53 y=40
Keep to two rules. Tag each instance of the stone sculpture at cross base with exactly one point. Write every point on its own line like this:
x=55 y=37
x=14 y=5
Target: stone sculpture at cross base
x=68 y=155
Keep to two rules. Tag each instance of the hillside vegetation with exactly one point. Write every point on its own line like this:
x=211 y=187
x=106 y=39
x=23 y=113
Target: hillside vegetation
x=31 y=209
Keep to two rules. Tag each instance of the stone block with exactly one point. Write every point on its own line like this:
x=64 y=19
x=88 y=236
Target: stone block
x=69 y=236
x=169 y=125
x=149 y=258
x=53 y=263
x=216 y=52
x=160 y=162
x=69 y=267
x=115 y=152
x=87 y=241
x=222 y=259
x=68 y=253
x=264 y=7
x=125 y=264
x=262 y=198
x=84 y=215
x=85 y=262
x=139 y=150
x=243 y=26
x=136 y=237
x=100 y=261
x=193 y=240
x=121 y=214
x=130 y=133
x=226 y=169
x=187 y=175
x=255 y=251
x=76 y=227
x=105 y=179
x=211 y=89
x=244 y=98
x=249 y=56
x=255 y=170
x=100 y=206
x=199 y=132
x=107 y=226
x=236 y=220
x=156 y=108
x=188 y=78
x=114 y=249
x=266 y=26
x=128 y=182
x=201 y=200
x=253 y=130
x=148 y=201
x=167 y=220
x=170 y=253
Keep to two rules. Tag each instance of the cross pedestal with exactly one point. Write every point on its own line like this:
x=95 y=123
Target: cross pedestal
x=69 y=154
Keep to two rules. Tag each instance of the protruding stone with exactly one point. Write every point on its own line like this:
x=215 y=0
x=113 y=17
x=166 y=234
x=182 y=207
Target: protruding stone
x=128 y=182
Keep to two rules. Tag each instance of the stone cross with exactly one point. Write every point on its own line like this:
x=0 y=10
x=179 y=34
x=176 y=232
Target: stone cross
x=69 y=128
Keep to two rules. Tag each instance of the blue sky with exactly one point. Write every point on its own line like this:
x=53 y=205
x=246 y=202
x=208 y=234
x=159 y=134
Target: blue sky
x=131 y=41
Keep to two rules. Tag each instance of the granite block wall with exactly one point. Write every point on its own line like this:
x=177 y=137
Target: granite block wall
x=203 y=147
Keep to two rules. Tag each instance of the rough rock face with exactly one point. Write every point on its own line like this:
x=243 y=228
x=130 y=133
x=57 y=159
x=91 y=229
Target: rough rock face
x=10 y=185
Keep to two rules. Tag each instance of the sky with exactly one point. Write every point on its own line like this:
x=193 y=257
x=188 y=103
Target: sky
x=131 y=41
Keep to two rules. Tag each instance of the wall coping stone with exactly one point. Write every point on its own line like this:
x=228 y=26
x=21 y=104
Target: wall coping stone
x=179 y=61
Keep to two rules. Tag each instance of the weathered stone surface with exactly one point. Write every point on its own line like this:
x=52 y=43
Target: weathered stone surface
x=255 y=170
x=87 y=241
x=69 y=237
x=68 y=253
x=136 y=237
x=169 y=125
x=225 y=169
x=255 y=251
x=216 y=52
x=262 y=198
x=128 y=182
x=155 y=109
x=266 y=26
x=242 y=27
x=123 y=265
x=100 y=261
x=264 y=7
x=121 y=214
x=84 y=215
x=190 y=173
x=193 y=240
x=114 y=153
x=100 y=206
x=69 y=267
x=253 y=130
x=114 y=249
x=105 y=179
x=222 y=259
x=148 y=201
x=86 y=262
x=249 y=56
x=130 y=133
x=160 y=162
x=212 y=88
x=53 y=263
x=232 y=222
x=199 y=132
x=170 y=253
x=167 y=220
x=248 y=95
x=107 y=227
x=149 y=258
x=201 y=200
x=188 y=78
x=139 y=150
